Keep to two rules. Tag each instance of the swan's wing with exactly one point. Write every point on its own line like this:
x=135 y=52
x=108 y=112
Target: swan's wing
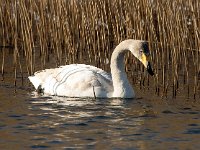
x=73 y=80
x=97 y=70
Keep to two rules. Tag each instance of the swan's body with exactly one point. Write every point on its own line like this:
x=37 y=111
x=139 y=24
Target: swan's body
x=79 y=80
x=75 y=80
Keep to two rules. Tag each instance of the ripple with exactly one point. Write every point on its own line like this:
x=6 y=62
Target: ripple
x=102 y=117
x=148 y=116
x=55 y=142
x=2 y=125
x=189 y=112
x=193 y=131
x=19 y=127
x=186 y=108
x=168 y=112
x=15 y=116
x=193 y=125
x=39 y=146
x=82 y=124
x=38 y=139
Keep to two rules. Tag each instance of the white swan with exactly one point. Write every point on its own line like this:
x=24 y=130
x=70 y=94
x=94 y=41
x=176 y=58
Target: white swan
x=80 y=80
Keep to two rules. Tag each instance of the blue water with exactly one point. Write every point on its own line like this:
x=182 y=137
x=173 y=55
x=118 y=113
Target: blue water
x=31 y=121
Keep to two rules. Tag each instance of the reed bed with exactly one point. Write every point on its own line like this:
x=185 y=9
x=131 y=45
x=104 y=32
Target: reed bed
x=73 y=31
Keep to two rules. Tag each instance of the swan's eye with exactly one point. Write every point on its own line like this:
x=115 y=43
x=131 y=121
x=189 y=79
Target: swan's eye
x=141 y=51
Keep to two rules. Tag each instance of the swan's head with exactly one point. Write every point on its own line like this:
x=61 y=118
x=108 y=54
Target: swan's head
x=141 y=51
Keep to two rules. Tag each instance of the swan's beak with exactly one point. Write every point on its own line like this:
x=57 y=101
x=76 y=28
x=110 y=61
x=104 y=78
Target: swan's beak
x=146 y=63
x=149 y=69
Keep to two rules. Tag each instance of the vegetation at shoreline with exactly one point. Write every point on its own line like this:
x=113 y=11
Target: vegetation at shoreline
x=70 y=31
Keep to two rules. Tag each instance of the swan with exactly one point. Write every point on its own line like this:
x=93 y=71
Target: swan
x=80 y=80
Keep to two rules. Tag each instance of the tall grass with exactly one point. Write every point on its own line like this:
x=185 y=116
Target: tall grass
x=71 y=30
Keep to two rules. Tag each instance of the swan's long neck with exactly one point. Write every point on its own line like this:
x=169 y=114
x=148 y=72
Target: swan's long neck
x=122 y=87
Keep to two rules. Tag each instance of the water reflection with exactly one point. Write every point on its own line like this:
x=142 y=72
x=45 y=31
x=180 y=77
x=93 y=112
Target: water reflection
x=43 y=122
x=93 y=122
x=89 y=123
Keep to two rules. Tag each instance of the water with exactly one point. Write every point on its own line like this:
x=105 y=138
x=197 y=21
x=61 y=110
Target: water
x=31 y=121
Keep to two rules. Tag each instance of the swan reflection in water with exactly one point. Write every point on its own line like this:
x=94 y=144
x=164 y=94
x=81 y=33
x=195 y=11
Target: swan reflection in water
x=77 y=119
x=90 y=107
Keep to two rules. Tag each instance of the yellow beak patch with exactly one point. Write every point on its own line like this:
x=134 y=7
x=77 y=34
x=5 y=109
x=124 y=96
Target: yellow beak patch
x=145 y=59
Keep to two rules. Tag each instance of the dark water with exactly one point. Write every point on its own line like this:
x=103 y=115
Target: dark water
x=28 y=121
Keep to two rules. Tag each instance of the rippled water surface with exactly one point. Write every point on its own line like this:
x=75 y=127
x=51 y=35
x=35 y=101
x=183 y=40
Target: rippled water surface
x=28 y=121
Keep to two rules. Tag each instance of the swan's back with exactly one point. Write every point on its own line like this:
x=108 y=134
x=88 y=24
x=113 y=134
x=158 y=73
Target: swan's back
x=75 y=80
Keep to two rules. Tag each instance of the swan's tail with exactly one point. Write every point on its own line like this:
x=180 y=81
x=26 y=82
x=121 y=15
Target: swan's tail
x=35 y=81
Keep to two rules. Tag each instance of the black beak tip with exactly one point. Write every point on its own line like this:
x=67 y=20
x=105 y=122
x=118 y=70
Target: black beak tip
x=150 y=72
x=149 y=69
